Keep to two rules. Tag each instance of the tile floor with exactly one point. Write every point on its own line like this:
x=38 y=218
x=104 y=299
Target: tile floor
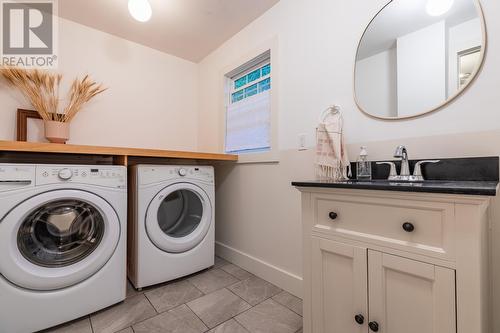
x=223 y=299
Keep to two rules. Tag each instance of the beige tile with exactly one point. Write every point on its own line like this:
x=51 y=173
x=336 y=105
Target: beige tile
x=217 y=307
x=254 y=290
x=178 y=320
x=172 y=295
x=127 y=330
x=290 y=301
x=212 y=280
x=270 y=317
x=236 y=271
x=230 y=326
x=131 y=311
x=77 y=326
x=219 y=262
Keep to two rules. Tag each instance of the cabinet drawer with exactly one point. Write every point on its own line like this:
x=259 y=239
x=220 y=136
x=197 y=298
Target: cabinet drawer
x=381 y=221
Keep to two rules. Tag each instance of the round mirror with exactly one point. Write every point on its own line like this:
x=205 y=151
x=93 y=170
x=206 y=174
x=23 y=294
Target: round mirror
x=416 y=56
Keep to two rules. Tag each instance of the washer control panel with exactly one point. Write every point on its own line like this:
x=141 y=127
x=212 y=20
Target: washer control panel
x=14 y=172
x=15 y=176
x=65 y=174
x=108 y=176
x=150 y=174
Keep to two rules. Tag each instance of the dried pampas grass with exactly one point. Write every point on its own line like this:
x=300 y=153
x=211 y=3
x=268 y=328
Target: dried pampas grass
x=41 y=88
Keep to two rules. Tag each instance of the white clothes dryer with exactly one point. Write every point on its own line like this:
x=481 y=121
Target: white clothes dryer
x=62 y=243
x=172 y=232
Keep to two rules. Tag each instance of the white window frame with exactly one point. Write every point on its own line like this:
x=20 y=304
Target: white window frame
x=234 y=69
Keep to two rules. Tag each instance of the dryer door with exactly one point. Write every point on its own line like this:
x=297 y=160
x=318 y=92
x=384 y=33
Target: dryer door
x=57 y=239
x=179 y=217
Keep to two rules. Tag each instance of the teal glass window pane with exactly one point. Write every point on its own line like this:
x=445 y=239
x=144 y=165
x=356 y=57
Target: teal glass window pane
x=252 y=90
x=240 y=82
x=266 y=70
x=265 y=85
x=238 y=96
x=255 y=75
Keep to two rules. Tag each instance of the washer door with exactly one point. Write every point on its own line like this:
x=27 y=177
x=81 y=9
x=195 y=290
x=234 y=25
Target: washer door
x=179 y=217
x=57 y=239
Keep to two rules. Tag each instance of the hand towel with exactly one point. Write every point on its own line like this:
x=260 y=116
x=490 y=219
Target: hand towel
x=332 y=162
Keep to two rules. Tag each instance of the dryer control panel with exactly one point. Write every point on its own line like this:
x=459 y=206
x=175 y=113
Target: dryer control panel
x=104 y=175
x=151 y=174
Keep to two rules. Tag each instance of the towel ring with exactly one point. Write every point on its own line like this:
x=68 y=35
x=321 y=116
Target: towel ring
x=334 y=109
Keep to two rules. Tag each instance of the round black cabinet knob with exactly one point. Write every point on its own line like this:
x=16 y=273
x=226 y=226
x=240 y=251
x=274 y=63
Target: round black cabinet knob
x=333 y=215
x=408 y=227
x=373 y=326
x=359 y=319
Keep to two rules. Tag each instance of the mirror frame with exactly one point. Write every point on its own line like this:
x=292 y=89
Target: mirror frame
x=453 y=97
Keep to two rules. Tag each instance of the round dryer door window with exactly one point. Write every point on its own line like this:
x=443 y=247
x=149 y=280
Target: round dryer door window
x=57 y=239
x=179 y=218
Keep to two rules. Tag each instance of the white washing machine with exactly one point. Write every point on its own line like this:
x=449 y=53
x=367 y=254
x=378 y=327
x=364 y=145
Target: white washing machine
x=172 y=233
x=62 y=243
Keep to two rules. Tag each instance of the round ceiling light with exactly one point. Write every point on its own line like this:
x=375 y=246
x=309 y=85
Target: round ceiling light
x=438 y=7
x=140 y=10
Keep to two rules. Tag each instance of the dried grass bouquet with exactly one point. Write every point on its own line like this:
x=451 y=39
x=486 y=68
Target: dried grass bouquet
x=41 y=88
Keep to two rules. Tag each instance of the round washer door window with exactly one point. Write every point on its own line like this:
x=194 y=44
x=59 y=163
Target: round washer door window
x=61 y=233
x=179 y=218
x=57 y=239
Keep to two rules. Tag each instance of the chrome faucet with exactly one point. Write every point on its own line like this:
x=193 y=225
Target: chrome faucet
x=404 y=175
x=402 y=153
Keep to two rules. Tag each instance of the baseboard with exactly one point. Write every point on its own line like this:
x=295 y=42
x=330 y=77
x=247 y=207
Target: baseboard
x=278 y=276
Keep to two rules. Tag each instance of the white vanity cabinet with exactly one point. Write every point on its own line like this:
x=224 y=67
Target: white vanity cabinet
x=394 y=262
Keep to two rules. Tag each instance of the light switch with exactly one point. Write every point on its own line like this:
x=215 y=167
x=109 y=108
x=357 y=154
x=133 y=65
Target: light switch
x=302 y=141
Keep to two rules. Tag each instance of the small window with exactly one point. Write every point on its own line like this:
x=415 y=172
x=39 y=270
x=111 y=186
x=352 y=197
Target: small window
x=248 y=118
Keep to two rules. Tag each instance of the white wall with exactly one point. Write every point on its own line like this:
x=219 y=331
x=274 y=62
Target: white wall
x=151 y=100
x=462 y=37
x=318 y=41
x=421 y=58
x=376 y=83
x=258 y=212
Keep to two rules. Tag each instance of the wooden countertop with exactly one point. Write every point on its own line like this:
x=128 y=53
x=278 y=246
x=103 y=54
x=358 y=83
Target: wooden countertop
x=39 y=147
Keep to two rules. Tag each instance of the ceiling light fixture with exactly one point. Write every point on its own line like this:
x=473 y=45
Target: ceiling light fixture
x=140 y=10
x=438 y=7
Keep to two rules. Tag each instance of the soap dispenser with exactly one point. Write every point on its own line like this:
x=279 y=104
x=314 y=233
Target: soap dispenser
x=363 y=166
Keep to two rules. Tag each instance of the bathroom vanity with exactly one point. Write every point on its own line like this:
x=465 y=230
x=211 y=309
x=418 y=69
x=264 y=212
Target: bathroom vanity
x=395 y=257
x=404 y=255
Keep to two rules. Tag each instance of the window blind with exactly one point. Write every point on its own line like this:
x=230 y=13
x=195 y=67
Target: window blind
x=248 y=124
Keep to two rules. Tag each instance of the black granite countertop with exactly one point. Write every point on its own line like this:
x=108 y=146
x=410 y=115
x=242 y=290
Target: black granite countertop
x=471 y=176
x=486 y=188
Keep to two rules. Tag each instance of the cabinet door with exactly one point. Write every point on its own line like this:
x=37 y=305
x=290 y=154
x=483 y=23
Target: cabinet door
x=410 y=296
x=339 y=287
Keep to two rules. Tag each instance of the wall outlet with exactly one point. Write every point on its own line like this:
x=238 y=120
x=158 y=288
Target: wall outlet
x=302 y=141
